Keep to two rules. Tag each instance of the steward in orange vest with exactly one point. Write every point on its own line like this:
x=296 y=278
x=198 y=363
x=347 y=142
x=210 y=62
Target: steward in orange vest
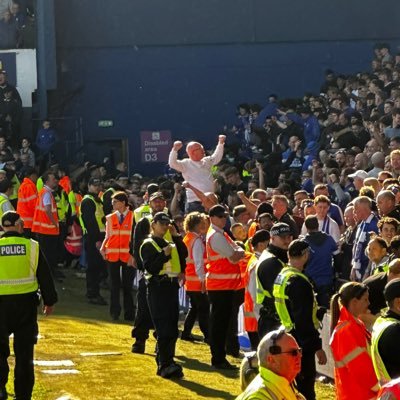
x=260 y=242
x=115 y=250
x=195 y=226
x=45 y=223
x=27 y=197
x=222 y=279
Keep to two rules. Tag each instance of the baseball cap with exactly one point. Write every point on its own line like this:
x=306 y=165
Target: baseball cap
x=162 y=217
x=152 y=188
x=297 y=248
x=157 y=195
x=392 y=290
x=218 y=211
x=359 y=174
x=280 y=229
x=10 y=218
x=94 y=181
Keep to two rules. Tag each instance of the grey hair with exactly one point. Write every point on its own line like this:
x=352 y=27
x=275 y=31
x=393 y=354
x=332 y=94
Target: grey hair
x=269 y=340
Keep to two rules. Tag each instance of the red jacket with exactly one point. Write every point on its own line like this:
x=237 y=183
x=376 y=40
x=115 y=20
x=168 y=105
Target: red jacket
x=355 y=377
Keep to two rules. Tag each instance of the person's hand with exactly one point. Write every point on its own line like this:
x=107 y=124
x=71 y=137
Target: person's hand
x=98 y=245
x=315 y=163
x=321 y=356
x=297 y=145
x=177 y=145
x=186 y=184
x=355 y=275
x=333 y=178
x=177 y=187
x=103 y=254
x=173 y=230
x=181 y=278
x=241 y=194
x=131 y=262
x=280 y=112
x=167 y=250
x=221 y=139
x=48 y=310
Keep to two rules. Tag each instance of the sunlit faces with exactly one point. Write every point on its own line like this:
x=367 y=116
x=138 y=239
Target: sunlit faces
x=321 y=209
x=375 y=251
x=239 y=233
x=360 y=306
x=388 y=231
x=282 y=242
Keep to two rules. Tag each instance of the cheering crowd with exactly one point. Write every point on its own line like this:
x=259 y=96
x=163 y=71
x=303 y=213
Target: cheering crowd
x=295 y=213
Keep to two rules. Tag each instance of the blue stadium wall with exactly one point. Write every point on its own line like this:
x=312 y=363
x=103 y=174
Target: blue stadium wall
x=185 y=65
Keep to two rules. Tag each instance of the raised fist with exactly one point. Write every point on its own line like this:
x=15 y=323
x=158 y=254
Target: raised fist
x=177 y=145
x=221 y=139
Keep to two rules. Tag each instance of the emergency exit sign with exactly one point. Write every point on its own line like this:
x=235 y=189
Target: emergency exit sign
x=105 y=123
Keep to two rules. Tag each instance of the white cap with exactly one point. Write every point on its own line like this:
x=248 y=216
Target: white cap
x=359 y=174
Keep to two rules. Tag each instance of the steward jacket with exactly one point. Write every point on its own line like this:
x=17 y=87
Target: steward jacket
x=43 y=276
x=389 y=344
x=267 y=271
x=269 y=386
x=27 y=196
x=354 y=372
x=153 y=261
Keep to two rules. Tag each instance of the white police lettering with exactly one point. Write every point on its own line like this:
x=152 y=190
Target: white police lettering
x=13 y=250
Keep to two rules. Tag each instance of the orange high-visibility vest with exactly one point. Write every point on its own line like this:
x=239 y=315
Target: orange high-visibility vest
x=252 y=229
x=117 y=245
x=27 y=197
x=390 y=391
x=250 y=318
x=222 y=274
x=65 y=183
x=243 y=267
x=78 y=198
x=41 y=222
x=192 y=281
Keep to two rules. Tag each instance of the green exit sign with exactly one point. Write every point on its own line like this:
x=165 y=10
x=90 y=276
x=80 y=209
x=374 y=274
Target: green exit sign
x=105 y=123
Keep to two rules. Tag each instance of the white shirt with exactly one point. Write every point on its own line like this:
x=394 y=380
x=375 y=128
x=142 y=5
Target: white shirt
x=197 y=173
x=327 y=225
x=198 y=258
x=220 y=244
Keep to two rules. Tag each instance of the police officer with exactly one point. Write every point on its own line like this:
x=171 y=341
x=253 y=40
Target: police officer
x=270 y=263
x=385 y=336
x=162 y=263
x=93 y=225
x=143 y=322
x=22 y=272
x=297 y=310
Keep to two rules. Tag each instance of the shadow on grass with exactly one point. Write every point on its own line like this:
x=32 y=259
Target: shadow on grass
x=196 y=365
x=204 y=391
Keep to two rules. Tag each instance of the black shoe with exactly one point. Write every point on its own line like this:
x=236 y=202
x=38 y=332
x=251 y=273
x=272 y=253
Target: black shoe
x=3 y=393
x=171 y=371
x=225 y=365
x=235 y=354
x=138 y=347
x=98 y=300
x=188 y=337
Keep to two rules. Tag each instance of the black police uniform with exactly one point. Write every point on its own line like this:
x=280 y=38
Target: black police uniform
x=163 y=300
x=18 y=315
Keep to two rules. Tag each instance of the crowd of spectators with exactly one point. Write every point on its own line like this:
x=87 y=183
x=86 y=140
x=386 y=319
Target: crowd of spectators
x=16 y=24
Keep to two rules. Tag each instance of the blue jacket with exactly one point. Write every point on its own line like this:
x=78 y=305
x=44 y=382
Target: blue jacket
x=310 y=124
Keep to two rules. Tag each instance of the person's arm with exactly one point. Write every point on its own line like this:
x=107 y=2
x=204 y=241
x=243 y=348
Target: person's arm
x=205 y=201
x=295 y=118
x=173 y=161
x=216 y=157
x=107 y=236
x=47 y=208
x=198 y=259
x=250 y=206
x=141 y=231
x=174 y=206
x=180 y=246
x=261 y=175
x=88 y=210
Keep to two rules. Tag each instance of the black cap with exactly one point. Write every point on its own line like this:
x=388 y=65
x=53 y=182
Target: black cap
x=392 y=290
x=94 y=181
x=260 y=236
x=157 y=195
x=162 y=217
x=297 y=248
x=218 y=211
x=9 y=218
x=122 y=176
x=152 y=188
x=280 y=229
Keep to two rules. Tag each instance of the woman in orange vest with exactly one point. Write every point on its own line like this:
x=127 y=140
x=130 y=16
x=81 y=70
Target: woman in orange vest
x=115 y=250
x=27 y=197
x=350 y=341
x=196 y=226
